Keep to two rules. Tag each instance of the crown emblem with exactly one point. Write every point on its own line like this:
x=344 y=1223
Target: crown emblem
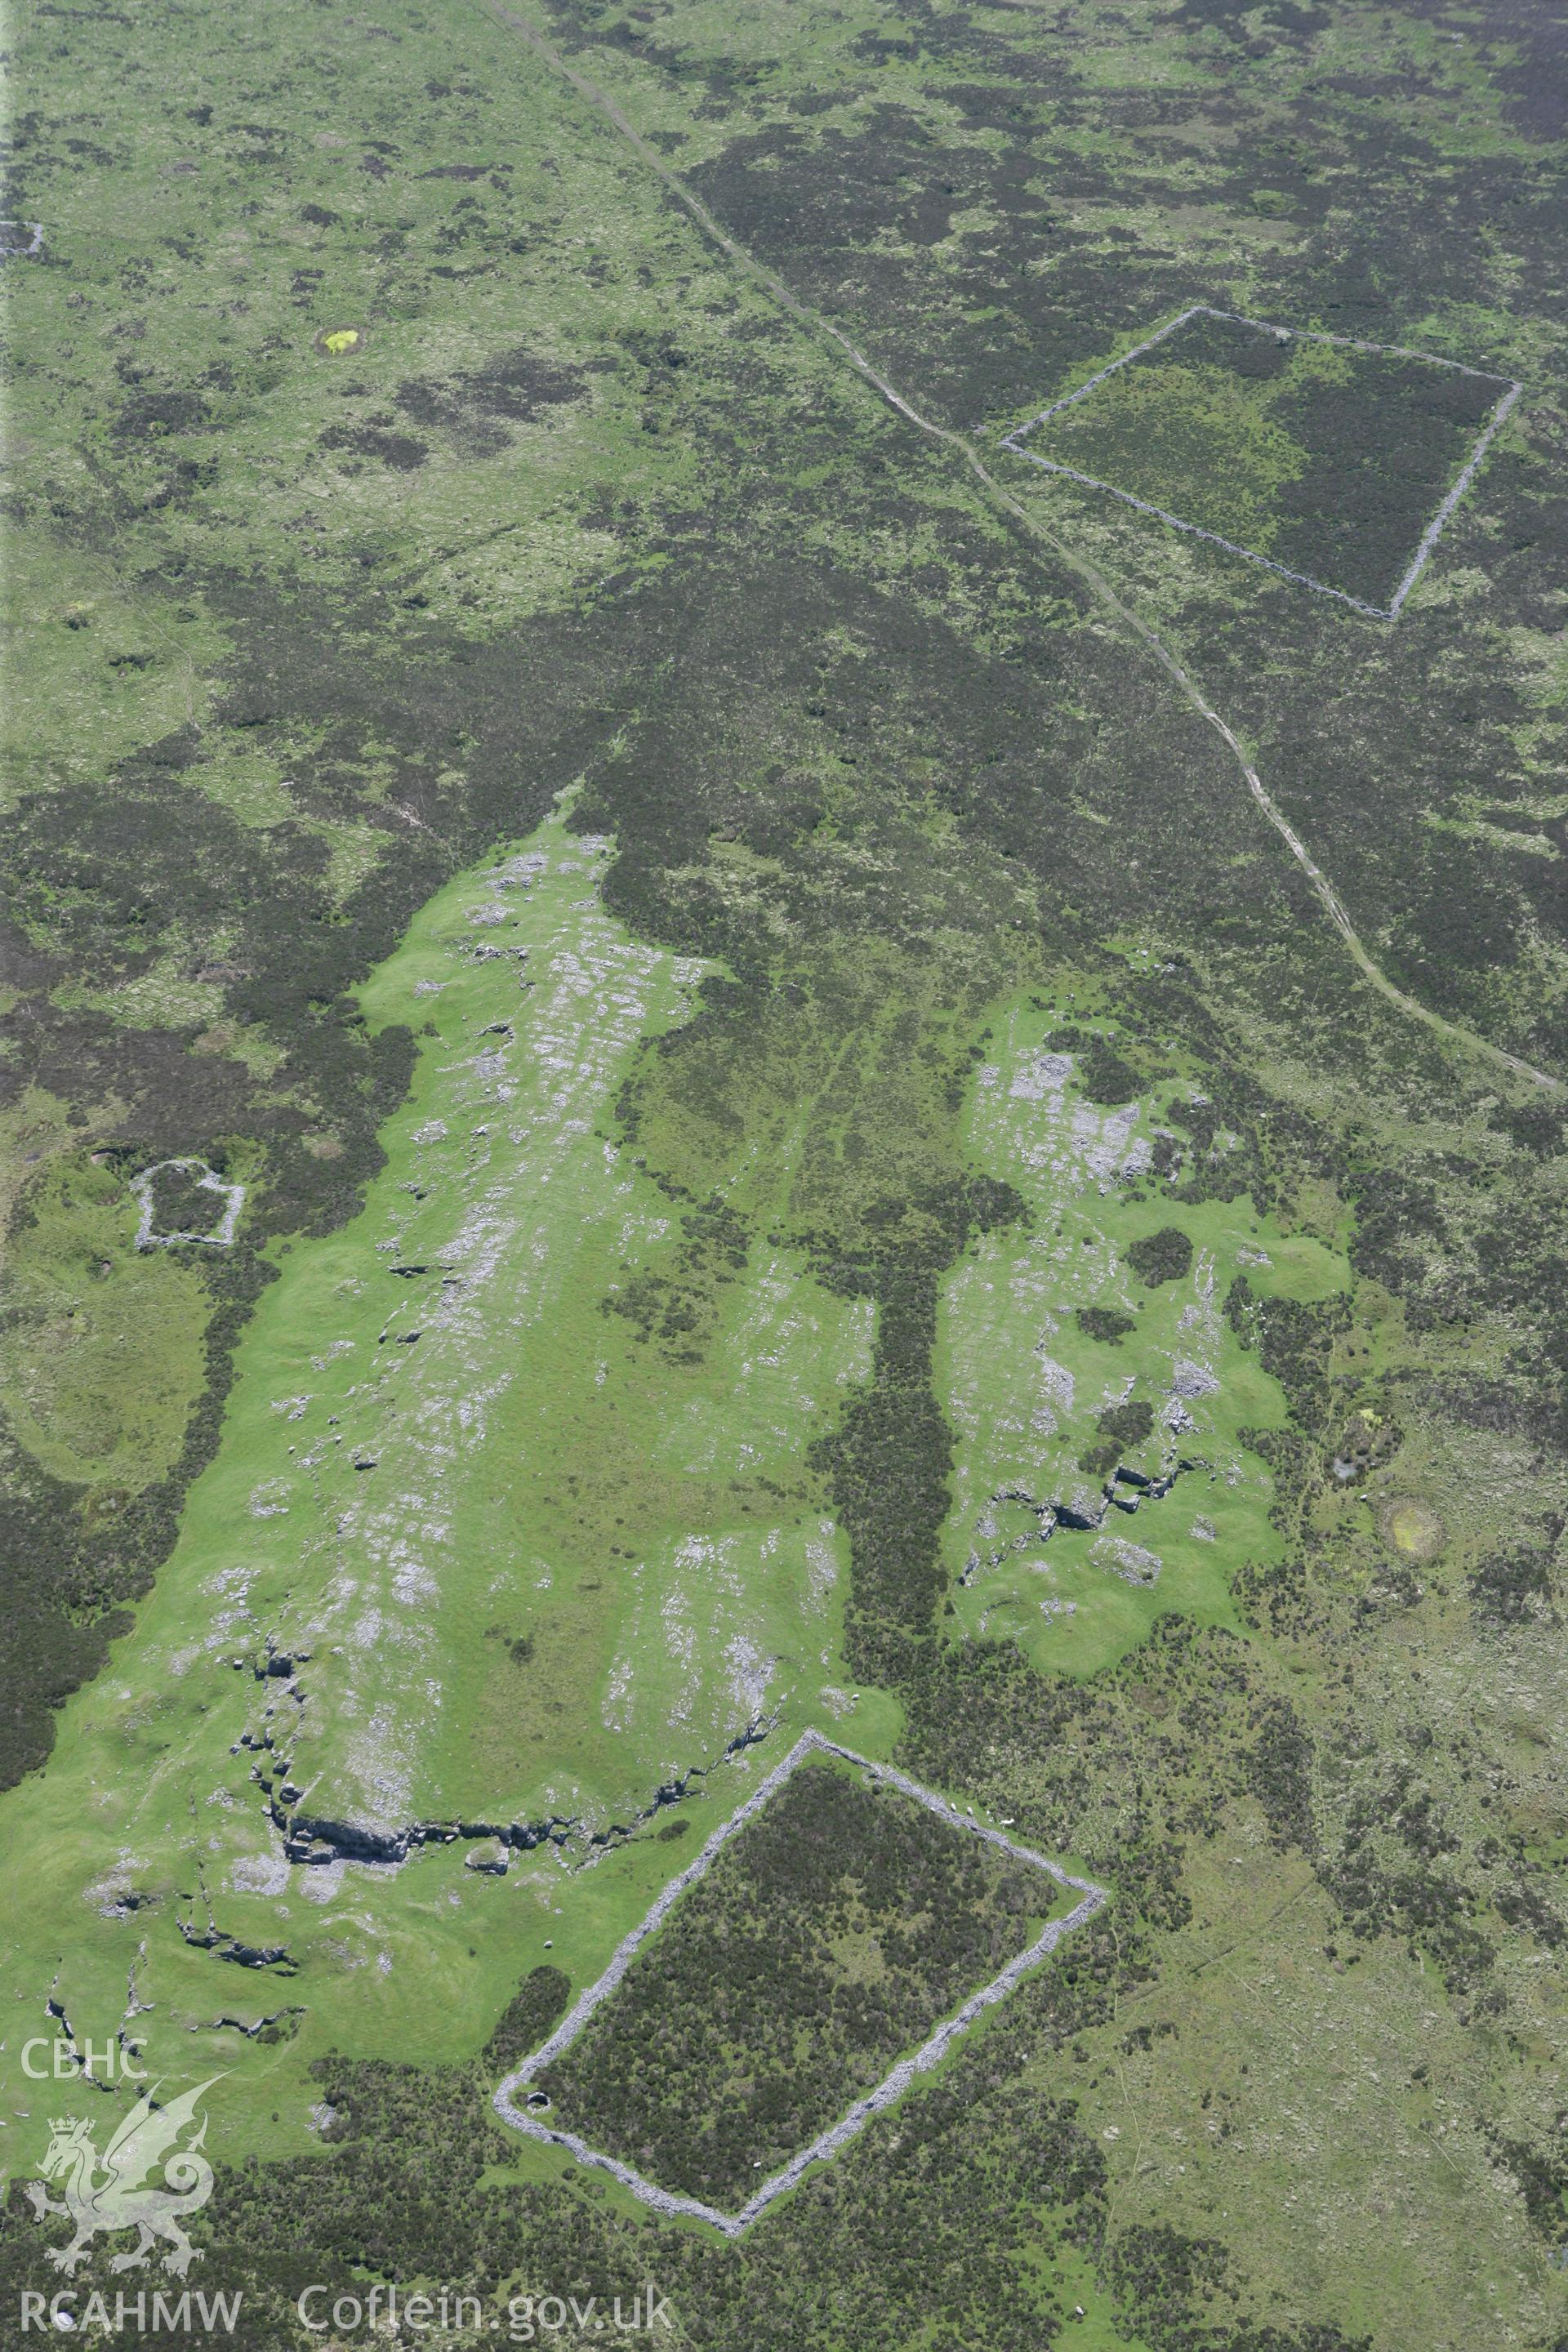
x=149 y=2140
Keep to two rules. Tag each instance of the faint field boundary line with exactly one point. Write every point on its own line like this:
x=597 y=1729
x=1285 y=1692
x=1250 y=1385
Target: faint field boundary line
x=893 y=2086
x=1500 y=411
x=1086 y=569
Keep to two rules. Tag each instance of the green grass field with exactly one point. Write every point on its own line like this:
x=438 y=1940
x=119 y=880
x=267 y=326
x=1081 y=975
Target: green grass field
x=104 y=1356
x=1025 y=1383
x=509 y=1522
x=532 y=1557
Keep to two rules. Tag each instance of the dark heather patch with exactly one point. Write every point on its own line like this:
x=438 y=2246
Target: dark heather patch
x=829 y=1935
x=149 y=416
x=398 y=450
x=529 y=2017
x=516 y=387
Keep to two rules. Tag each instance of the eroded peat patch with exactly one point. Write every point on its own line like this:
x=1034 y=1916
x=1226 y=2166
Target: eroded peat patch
x=1334 y=463
x=842 y=1915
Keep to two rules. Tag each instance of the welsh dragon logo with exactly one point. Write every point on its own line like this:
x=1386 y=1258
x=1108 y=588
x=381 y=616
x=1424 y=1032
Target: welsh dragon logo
x=118 y=2200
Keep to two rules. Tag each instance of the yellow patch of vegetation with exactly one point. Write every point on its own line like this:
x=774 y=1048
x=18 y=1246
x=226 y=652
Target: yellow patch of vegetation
x=1414 y=1530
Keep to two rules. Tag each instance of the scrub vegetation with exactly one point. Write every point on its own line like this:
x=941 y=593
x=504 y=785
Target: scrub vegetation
x=832 y=1932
